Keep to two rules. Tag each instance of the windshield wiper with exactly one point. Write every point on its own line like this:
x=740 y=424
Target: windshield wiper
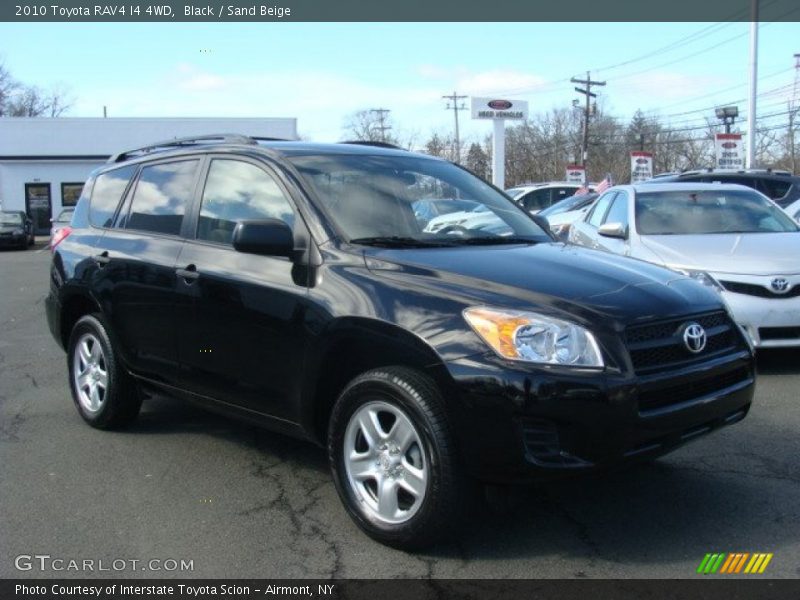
x=396 y=241
x=492 y=241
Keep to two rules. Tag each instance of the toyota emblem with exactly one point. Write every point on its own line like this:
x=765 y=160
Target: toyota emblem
x=694 y=336
x=780 y=285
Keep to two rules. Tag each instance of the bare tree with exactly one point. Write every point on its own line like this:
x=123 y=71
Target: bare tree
x=365 y=126
x=19 y=100
x=8 y=85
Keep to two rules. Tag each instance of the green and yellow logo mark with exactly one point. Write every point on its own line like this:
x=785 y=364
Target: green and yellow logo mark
x=736 y=562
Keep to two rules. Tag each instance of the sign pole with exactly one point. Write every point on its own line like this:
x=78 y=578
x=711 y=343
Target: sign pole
x=498 y=110
x=499 y=153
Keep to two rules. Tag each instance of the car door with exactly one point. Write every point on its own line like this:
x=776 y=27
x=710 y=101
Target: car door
x=244 y=343
x=584 y=231
x=617 y=213
x=138 y=274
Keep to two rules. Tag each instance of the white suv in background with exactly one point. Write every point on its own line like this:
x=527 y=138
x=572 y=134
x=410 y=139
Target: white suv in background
x=534 y=197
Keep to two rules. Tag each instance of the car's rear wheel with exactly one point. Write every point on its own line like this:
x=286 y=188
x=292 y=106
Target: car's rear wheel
x=105 y=395
x=393 y=458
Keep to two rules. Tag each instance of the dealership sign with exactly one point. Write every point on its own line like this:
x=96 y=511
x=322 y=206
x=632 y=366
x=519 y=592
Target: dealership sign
x=499 y=108
x=641 y=166
x=576 y=174
x=729 y=151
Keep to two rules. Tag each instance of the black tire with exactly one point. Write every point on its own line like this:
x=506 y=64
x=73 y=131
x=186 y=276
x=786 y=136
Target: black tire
x=121 y=399
x=419 y=399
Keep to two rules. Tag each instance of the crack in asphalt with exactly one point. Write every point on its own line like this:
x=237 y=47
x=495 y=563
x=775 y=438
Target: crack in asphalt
x=9 y=430
x=772 y=469
x=301 y=520
x=31 y=378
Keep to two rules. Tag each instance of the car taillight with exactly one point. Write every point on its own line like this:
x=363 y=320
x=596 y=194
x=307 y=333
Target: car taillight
x=60 y=236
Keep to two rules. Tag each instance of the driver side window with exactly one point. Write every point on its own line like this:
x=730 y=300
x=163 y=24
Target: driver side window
x=595 y=217
x=618 y=213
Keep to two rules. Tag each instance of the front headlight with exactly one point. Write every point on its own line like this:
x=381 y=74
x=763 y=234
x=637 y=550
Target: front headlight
x=18 y=232
x=699 y=276
x=535 y=338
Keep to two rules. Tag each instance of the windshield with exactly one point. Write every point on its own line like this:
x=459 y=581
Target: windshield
x=10 y=219
x=569 y=204
x=516 y=192
x=413 y=201
x=693 y=212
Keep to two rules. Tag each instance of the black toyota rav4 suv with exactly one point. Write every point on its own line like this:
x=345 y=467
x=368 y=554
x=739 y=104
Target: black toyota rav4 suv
x=291 y=284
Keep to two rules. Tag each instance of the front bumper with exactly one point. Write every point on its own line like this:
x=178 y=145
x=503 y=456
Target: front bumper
x=532 y=424
x=770 y=322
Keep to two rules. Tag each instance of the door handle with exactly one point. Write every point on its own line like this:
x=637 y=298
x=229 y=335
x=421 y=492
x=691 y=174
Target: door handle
x=102 y=259
x=189 y=274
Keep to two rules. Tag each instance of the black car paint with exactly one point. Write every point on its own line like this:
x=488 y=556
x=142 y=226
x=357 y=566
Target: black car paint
x=265 y=338
x=8 y=237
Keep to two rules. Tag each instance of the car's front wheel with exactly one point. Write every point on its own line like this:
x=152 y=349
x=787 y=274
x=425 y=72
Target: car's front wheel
x=393 y=457
x=105 y=395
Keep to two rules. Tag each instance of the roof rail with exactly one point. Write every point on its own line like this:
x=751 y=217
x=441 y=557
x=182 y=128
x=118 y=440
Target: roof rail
x=270 y=139
x=221 y=138
x=375 y=144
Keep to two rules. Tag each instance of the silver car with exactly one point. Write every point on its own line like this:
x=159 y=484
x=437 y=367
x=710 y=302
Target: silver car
x=728 y=237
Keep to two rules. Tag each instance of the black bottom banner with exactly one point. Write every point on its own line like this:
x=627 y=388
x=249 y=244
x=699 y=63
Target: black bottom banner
x=411 y=589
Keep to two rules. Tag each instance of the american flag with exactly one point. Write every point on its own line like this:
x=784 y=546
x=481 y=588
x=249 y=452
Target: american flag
x=603 y=185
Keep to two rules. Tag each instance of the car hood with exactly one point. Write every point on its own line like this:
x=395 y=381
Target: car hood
x=576 y=282
x=735 y=253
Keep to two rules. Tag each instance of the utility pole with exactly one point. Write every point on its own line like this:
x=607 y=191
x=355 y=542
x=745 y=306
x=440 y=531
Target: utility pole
x=793 y=108
x=588 y=84
x=382 y=112
x=454 y=99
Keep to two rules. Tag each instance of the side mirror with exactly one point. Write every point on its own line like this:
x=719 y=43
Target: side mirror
x=541 y=222
x=544 y=224
x=269 y=237
x=613 y=230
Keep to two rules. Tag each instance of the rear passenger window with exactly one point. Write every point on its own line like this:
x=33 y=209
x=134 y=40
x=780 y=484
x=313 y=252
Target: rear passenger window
x=237 y=190
x=107 y=193
x=162 y=192
x=775 y=188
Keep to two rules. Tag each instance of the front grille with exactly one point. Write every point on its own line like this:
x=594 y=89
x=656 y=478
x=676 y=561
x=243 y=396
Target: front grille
x=752 y=289
x=685 y=391
x=778 y=333
x=660 y=345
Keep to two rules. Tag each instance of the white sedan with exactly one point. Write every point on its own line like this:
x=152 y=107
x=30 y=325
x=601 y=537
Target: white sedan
x=728 y=237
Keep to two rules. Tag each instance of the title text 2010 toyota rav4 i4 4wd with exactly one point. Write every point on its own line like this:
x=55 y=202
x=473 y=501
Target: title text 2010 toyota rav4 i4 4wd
x=291 y=284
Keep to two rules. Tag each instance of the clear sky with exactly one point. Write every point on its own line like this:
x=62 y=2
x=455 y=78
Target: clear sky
x=321 y=73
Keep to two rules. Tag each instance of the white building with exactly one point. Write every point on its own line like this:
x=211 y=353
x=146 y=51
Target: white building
x=44 y=161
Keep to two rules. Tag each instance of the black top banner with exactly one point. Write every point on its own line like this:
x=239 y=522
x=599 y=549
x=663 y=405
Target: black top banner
x=402 y=11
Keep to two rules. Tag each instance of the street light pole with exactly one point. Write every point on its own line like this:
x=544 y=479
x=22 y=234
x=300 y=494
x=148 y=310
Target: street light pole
x=751 y=117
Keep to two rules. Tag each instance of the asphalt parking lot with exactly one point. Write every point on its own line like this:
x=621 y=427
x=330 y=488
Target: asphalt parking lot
x=240 y=502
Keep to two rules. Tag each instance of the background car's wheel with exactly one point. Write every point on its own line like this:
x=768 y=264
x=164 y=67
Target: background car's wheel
x=106 y=396
x=393 y=458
